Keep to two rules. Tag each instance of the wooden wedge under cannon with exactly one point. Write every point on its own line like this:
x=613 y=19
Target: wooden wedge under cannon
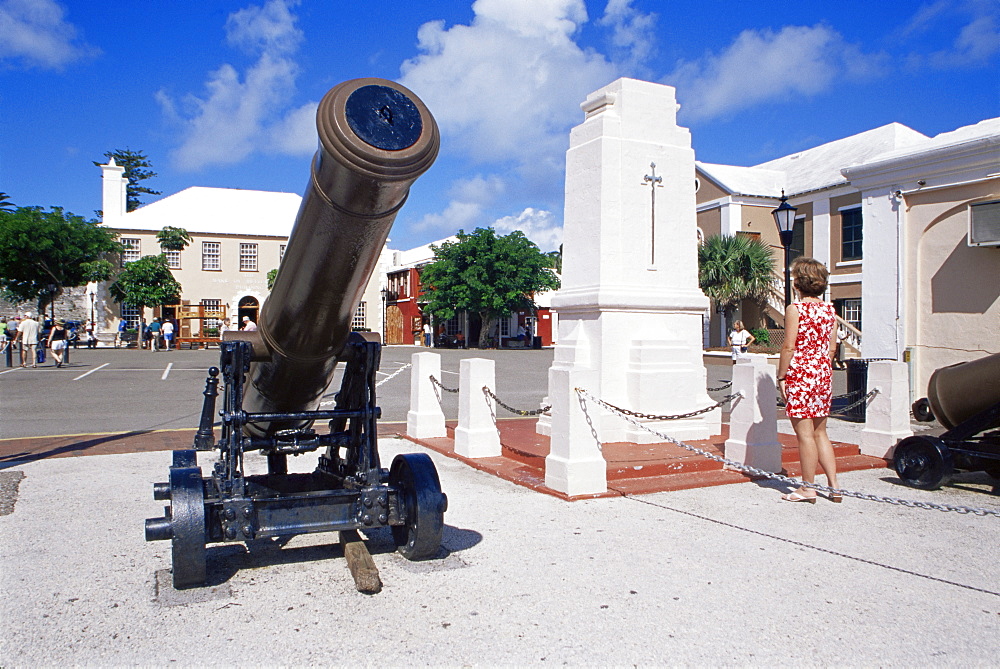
x=965 y=398
x=376 y=138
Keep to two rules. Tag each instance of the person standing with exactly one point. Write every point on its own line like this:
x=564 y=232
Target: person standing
x=248 y=325
x=57 y=341
x=91 y=338
x=27 y=332
x=168 y=333
x=120 y=334
x=805 y=378
x=740 y=340
x=154 y=334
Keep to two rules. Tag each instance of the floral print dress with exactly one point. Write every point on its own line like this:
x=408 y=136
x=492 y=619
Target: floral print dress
x=809 y=379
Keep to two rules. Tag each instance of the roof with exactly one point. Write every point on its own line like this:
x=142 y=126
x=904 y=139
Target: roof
x=744 y=180
x=819 y=167
x=984 y=131
x=225 y=211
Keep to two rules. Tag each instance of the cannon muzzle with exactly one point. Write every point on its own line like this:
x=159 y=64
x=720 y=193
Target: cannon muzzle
x=960 y=391
x=375 y=138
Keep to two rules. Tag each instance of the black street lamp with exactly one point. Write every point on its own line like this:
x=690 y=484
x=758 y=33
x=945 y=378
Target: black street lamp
x=385 y=297
x=784 y=218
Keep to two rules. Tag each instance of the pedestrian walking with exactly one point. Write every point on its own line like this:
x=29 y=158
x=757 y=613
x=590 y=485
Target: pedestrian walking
x=805 y=378
x=154 y=334
x=27 y=333
x=168 y=334
x=57 y=341
x=120 y=333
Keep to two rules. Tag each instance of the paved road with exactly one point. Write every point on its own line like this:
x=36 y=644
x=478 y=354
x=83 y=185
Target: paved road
x=717 y=576
x=111 y=390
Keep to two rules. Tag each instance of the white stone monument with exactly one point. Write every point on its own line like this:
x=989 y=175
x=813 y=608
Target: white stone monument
x=753 y=423
x=630 y=310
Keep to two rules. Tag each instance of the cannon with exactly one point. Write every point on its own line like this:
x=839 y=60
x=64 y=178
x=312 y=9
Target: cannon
x=965 y=398
x=375 y=139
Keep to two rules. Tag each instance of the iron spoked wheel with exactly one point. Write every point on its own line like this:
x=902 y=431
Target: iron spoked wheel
x=187 y=525
x=422 y=504
x=923 y=462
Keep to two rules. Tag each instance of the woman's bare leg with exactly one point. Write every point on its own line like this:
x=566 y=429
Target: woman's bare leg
x=808 y=452
x=825 y=454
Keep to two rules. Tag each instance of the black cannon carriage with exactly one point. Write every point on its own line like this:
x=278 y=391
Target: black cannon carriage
x=965 y=398
x=376 y=138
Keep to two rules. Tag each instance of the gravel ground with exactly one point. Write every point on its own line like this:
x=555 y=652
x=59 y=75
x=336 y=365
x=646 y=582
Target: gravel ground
x=715 y=576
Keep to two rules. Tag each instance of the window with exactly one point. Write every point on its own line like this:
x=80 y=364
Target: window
x=359 y=322
x=131 y=252
x=984 y=223
x=850 y=234
x=212 y=306
x=211 y=256
x=248 y=257
x=505 y=328
x=173 y=258
x=850 y=311
x=131 y=316
x=798 y=246
x=281 y=253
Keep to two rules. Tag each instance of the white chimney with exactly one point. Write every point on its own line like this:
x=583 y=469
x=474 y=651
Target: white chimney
x=113 y=202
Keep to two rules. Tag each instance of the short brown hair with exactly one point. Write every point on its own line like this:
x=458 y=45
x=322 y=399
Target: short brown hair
x=809 y=276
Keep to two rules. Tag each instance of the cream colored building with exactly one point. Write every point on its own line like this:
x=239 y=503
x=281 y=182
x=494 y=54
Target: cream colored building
x=238 y=236
x=890 y=212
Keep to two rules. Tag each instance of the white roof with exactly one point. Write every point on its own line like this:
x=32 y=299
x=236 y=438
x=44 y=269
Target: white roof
x=745 y=180
x=418 y=255
x=969 y=134
x=819 y=167
x=225 y=211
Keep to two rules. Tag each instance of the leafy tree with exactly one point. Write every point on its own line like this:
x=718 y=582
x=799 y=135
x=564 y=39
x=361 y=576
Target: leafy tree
x=173 y=239
x=137 y=169
x=5 y=203
x=736 y=268
x=271 y=276
x=39 y=249
x=485 y=274
x=146 y=282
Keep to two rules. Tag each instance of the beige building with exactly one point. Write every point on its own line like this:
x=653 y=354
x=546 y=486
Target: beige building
x=908 y=225
x=238 y=236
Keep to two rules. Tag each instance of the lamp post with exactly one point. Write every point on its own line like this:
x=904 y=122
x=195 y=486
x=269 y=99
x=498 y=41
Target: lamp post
x=385 y=296
x=784 y=218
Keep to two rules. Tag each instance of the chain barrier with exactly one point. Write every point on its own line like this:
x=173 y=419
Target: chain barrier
x=722 y=387
x=394 y=374
x=520 y=412
x=441 y=386
x=648 y=416
x=753 y=471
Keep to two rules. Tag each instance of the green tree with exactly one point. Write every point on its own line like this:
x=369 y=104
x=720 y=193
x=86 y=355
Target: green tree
x=173 y=239
x=41 y=249
x=271 y=276
x=485 y=274
x=5 y=203
x=137 y=169
x=146 y=282
x=736 y=268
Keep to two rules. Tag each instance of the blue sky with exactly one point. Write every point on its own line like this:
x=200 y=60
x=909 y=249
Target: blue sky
x=223 y=93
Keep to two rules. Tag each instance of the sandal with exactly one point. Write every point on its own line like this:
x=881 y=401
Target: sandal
x=796 y=497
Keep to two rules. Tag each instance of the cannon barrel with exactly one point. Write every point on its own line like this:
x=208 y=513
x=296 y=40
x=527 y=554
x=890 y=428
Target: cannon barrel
x=375 y=138
x=960 y=391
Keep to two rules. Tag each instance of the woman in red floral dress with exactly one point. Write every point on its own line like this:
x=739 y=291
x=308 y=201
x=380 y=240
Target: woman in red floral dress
x=805 y=378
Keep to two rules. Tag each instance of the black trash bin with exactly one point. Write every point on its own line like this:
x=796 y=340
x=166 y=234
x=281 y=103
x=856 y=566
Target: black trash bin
x=857 y=386
x=536 y=342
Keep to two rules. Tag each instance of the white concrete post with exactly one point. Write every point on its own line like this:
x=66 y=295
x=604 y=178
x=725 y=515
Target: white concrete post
x=887 y=419
x=753 y=424
x=425 y=419
x=476 y=435
x=113 y=189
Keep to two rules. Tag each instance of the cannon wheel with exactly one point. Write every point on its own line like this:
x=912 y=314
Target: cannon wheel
x=422 y=503
x=923 y=462
x=922 y=410
x=187 y=513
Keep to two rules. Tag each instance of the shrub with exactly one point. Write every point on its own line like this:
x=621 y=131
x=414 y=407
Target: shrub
x=761 y=336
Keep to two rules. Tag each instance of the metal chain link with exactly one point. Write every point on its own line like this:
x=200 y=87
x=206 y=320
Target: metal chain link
x=394 y=374
x=753 y=471
x=722 y=387
x=691 y=414
x=520 y=412
x=442 y=387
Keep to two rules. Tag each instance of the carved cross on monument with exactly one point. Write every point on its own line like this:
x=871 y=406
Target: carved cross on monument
x=654 y=182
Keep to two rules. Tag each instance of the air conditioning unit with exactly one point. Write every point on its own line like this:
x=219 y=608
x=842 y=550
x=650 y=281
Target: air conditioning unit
x=984 y=223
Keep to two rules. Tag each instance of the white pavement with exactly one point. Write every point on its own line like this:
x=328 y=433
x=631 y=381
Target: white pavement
x=724 y=575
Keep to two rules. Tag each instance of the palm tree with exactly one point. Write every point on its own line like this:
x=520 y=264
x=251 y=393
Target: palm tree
x=737 y=268
x=5 y=203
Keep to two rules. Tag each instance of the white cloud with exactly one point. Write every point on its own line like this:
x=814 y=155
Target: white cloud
x=763 y=66
x=240 y=115
x=537 y=225
x=466 y=210
x=633 y=38
x=977 y=42
x=508 y=86
x=35 y=33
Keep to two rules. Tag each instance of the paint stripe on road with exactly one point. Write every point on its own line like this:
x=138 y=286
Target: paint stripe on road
x=91 y=371
x=166 y=372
